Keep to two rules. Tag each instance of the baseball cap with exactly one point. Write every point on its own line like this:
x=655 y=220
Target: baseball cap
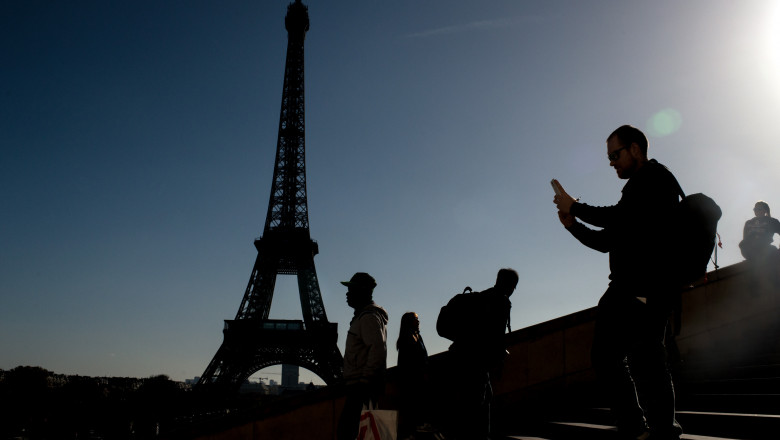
x=361 y=279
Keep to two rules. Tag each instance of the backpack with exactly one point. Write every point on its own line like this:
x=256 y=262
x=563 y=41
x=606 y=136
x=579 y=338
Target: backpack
x=461 y=314
x=694 y=236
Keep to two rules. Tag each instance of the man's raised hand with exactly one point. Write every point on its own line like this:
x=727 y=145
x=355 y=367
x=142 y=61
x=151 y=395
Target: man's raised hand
x=563 y=200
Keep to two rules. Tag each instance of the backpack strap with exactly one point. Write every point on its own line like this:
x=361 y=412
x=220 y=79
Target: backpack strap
x=680 y=191
x=679 y=188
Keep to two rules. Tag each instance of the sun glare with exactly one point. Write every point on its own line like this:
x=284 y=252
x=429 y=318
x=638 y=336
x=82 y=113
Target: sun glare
x=772 y=39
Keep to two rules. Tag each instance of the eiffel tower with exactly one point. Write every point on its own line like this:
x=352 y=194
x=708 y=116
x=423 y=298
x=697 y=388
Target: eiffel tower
x=251 y=340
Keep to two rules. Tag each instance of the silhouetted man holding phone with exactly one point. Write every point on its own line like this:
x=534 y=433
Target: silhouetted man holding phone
x=628 y=348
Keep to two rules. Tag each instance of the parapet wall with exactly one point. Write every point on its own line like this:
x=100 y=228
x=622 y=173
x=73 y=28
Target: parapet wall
x=729 y=320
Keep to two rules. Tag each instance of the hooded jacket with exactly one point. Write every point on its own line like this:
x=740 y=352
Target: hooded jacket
x=365 y=354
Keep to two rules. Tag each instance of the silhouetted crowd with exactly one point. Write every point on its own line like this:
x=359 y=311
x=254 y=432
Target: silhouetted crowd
x=628 y=352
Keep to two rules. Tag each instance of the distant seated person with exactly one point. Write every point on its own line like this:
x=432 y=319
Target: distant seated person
x=758 y=234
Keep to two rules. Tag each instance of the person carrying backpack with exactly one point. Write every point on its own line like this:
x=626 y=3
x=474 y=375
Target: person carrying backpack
x=476 y=356
x=628 y=350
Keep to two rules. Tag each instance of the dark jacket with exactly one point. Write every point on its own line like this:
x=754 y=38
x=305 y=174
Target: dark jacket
x=412 y=359
x=636 y=230
x=761 y=230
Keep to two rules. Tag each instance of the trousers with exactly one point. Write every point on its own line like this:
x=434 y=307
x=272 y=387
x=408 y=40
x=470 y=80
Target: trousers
x=470 y=397
x=629 y=357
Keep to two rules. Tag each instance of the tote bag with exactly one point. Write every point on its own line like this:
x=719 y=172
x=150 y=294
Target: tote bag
x=378 y=424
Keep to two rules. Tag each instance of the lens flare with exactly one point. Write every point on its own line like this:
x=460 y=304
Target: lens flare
x=664 y=123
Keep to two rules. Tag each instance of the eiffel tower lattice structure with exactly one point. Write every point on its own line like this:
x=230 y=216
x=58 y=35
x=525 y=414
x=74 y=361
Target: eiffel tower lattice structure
x=251 y=340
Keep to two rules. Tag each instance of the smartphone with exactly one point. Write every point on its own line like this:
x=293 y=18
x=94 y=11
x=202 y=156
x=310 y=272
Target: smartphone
x=556 y=186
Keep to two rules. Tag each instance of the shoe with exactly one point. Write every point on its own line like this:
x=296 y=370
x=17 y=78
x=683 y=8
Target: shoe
x=425 y=427
x=644 y=435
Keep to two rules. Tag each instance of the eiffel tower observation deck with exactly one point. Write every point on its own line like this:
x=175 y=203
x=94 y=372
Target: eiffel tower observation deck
x=252 y=341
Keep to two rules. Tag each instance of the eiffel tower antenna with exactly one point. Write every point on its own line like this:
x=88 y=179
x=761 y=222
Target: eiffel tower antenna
x=251 y=340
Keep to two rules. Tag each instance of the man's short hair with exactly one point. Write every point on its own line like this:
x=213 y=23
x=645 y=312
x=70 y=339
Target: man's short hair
x=628 y=134
x=507 y=277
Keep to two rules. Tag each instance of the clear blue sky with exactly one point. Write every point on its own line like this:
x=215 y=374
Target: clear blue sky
x=138 y=141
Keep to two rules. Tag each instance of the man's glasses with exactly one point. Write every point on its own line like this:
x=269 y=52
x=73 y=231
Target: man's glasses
x=615 y=155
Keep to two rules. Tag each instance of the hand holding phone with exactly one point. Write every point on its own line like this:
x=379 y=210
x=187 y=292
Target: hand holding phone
x=562 y=199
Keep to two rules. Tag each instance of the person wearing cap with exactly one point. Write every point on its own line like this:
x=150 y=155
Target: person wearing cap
x=365 y=354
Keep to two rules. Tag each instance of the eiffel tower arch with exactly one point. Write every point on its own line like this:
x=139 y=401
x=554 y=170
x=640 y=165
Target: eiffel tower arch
x=252 y=341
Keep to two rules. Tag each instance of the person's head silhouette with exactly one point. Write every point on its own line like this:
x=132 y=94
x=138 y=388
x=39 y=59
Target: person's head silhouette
x=506 y=281
x=761 y=209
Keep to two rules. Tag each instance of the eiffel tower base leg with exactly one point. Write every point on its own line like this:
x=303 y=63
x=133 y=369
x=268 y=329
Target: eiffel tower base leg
x=250 y=346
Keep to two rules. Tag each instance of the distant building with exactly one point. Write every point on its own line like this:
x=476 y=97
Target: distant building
x=255 y=387
x=290 y=376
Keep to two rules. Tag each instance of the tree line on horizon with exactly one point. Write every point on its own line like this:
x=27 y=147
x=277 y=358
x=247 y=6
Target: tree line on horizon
x=37 y=403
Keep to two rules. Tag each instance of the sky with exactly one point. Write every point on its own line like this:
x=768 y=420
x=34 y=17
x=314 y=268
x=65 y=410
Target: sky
x=137 y=144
